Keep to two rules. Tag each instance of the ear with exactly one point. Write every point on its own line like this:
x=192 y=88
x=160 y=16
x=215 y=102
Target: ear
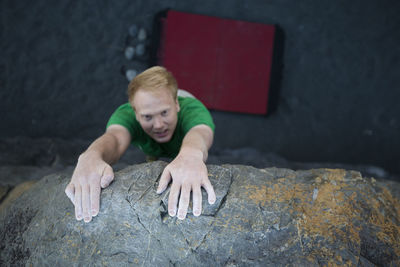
x=178 y=107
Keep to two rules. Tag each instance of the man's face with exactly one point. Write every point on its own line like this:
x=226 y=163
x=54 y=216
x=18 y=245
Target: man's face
x=157 y=113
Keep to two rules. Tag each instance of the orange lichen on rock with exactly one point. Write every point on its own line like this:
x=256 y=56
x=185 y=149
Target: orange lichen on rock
x=331 y=208
x=331 y=214
x=389 y=231
x=258 y=195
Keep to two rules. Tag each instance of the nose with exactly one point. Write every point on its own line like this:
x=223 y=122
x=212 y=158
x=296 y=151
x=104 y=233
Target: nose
x=158 y=123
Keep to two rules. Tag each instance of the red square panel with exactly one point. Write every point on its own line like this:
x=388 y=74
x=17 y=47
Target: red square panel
x=225 y=63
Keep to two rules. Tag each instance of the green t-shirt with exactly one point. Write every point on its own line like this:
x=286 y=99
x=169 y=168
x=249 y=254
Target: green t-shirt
x=192 y=112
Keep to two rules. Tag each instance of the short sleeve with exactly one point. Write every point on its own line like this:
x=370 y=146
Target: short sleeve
x=194 y=113
x=125 y=116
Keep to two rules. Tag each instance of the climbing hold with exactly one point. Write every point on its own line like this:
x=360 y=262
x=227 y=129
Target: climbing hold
x=129 y=52
x=130 y=74
x=142 y=34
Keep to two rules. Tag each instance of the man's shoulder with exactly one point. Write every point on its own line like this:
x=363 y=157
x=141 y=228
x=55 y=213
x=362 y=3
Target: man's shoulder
x=125 y=116
x=190 y=102
x=125 y=107
x=193 y=112
x=125 y=111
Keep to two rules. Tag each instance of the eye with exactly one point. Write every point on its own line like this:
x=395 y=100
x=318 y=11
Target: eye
x=164 y=113
x=147 y=117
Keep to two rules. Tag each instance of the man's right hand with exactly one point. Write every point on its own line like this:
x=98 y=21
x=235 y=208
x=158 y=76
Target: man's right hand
x=93 y=171
x=90 y=175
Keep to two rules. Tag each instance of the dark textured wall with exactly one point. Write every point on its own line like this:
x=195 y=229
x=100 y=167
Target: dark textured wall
x=60 y=73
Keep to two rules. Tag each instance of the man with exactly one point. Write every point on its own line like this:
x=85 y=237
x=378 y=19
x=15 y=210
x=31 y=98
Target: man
x=161 y=124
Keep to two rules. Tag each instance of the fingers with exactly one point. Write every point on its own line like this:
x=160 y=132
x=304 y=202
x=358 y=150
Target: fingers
x=184 y=202
x=197 y=198
x=95 y=199
x=210 y=191
x=86 y=199
x=164 y=181
x=173 y=199
x=87 y=216
x=107 y=176
x=85 y=187
x=78 y=203
x=70 y=192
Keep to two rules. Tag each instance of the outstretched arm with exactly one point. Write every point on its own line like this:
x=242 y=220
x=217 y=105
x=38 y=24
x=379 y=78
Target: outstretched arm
x=93 y=171
x=189 y=173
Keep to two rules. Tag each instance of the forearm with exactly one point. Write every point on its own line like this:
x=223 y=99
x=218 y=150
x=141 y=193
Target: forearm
x=105 y=148
x=197 y=142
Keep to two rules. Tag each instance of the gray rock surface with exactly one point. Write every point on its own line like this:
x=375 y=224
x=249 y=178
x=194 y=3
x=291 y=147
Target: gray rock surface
x=262 y=217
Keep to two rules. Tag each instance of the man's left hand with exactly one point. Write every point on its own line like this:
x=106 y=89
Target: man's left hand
x=188 y=173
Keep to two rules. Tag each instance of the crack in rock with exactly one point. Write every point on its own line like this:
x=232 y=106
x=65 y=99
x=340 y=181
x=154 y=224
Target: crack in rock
x=262 y=217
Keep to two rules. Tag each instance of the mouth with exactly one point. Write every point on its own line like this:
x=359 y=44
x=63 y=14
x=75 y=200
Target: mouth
x=161 y=134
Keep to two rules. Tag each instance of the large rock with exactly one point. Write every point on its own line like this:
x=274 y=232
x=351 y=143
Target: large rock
x=261 y=217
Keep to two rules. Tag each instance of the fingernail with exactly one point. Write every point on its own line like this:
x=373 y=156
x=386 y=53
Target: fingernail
x=160 y=190
x=79 y=217
x=196 y=213
x=94 y=213
x=87 y=219
x=172 y=213
x=181 y=216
